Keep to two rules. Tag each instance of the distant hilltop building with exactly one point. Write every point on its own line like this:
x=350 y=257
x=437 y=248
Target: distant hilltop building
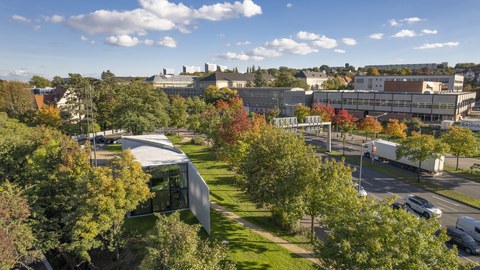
x=168 y=71
x=214 y=67
x=315 y=80
x=191 y=69
x=411 y=66
x=449 y=82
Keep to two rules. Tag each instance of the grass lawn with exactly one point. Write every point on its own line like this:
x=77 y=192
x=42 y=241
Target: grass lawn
x=174 y=139
x=113 y=147
x=462 y=173
x=223 y=190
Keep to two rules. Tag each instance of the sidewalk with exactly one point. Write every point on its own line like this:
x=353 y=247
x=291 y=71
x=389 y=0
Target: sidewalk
x=277 y=240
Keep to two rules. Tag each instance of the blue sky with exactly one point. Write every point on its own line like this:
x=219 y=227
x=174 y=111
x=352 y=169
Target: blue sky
x=140 y=37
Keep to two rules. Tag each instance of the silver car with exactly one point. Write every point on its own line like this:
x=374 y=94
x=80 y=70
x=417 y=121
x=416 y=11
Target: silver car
x=422 y=206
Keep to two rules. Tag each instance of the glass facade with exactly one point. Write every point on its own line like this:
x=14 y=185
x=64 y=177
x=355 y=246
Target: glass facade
x=170 y=185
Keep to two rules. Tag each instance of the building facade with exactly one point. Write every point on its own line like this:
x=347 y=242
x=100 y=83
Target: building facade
x=410 y=66
x=315 y=80
x=416 y=87
x=191 y=69
x=168 y=71
x=170 y=81
x=428 y=107
x=184 y=92
x=210 y=67
x=449 y=82
x=231 y=80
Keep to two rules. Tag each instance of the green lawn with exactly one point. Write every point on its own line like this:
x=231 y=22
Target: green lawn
x=174 y=139
x=462 y=173
x=113 y=147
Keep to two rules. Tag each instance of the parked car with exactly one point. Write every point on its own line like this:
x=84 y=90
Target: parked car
x=422 y=206
x=398 y=205
x=463 y=240
x=469 y=225
x=361 y=191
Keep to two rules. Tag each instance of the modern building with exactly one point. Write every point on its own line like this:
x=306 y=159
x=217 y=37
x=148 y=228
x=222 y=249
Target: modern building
x=230 y=79
x=210 y=67
x=168 y=71
x=416 y=87
x=174 y=179
x=428 y=107
x=191 y=69
x=127 y=80
x=184 y=92
x=450 y=82
x=170 y=81
x=315 y=80
x=410 y=66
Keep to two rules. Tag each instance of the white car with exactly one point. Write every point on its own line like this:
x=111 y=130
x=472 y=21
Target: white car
x=361 y=191
x=422 y=206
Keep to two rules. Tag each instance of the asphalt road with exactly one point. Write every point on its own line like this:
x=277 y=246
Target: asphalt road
x=381 y=186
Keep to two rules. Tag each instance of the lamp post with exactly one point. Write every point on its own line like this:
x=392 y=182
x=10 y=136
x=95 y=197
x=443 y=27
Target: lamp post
x=360 y=172
x=375 y=124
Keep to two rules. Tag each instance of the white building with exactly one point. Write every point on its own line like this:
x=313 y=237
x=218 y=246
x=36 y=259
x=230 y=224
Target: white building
x=377 y=83
x=168 y=71
x=172 y=81
x=191 y=69
x=210 y=67
x=315 y=80
x=410 y=66
x=222 y=68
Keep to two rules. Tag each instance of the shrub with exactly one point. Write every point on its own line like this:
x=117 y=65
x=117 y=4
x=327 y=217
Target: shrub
x=198 y=141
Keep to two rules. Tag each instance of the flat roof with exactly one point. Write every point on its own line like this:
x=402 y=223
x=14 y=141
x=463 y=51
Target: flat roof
x=154 y=150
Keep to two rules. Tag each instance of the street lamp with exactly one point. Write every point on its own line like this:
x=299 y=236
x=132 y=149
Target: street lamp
x=362 y=146
x=375 y=124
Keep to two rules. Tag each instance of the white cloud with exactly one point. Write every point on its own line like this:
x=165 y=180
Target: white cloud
x=167 y=42
x=289 y=5
x=307 y=35
x=393 y=22
x=37 y=27
x=405 y=33
x=325 y=42
x=158 y=15
x=235 y=56
x=429 y=32
x=264 y=52
x=20 y=74
x=376 y=36
x=122 y=40
x=85 y=39
x=437 y=45
x=286 y=45
x=349 y=41
x=411 y=20
x=339 y=51
x=243 y=43
x=20 y=19
x=148 y=42
x=54 y=19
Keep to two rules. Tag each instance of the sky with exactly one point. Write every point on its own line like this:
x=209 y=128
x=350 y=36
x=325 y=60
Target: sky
x=141 y=37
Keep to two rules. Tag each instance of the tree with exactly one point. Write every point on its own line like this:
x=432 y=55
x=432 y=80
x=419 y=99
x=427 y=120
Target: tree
x=176 y=245
x=39 y=82
x=462 y=142
x=396 y=129
x=274 y=174
x=213 y=94
x=379 y=237
x=16 y=98
x=108 y=196
x=17 y=243
x=370 y=125
x=346 y=123
x=371 y=71
x=49 y=116
x=420 y=147
x=326 y=113
x=140 y=109
x=57 y=81
x=301 y=112
x=259 y=80
x=195 y=105
x=105 y=99
x=414 y=124
x=178 y=112
x=285 y=79
x=333 y=83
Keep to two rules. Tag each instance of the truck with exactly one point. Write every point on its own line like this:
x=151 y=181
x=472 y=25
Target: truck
x=386 y=151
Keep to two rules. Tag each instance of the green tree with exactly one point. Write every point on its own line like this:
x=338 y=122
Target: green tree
x=371 y=71
x=396 y=129
x=259 y=80
x=105 y=99
x=17 y=243
x=57 y=81
x=414 y=124
x=462 y=142
x=301 y=112
x=39 y=81
x=420 y=147
x=16 y=98
x=333 y=83
x=213 y=94
x=274 y=174
x=140 y=109
x=379 y=237
x=178 y=112
x=175 y=245
x=49 y=116
x=195 y=105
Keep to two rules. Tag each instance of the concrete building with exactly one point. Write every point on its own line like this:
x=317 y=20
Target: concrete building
x=210 y=67
x=174 y=179
x=170 y=81
x=428 y=107
x=191 y=69
x=416 y=87
x=168 y=71
x=410 y=66
x=450 y=82
x=184 y=92
x=315 y=80
x=230 y=79
x=222 y=68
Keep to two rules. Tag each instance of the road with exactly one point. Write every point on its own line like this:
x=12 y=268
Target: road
x=381 y=186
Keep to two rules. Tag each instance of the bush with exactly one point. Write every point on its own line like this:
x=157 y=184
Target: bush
x=170 y=133
x=198 y=141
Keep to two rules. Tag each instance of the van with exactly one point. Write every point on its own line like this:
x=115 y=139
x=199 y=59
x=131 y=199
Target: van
x=470 y=226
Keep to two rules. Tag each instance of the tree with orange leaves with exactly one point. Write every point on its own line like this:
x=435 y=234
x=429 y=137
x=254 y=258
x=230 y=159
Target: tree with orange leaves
x=326 y=113
x=370 y=125
x=396 y=129
x=49 y=116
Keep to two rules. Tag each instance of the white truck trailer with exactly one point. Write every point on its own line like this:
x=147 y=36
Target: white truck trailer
x=386 y=152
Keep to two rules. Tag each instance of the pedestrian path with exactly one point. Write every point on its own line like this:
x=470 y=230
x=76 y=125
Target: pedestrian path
x=277 y=240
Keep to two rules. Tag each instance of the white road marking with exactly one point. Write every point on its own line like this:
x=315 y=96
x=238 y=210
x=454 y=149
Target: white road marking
x=375 y=197
x=438 y=198
x=444 y=206
x=363 y=181
x=394 y=195
x=465 y=257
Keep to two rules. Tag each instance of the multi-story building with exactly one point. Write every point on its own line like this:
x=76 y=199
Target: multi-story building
x=163 y=81
x=184 y=92
x=230 y=79
x=315 y=80
x=210 y=67
x=417 y=87
x=191 y=69
x=222 y=68
x=449 y=82
x=410 y=66
x=428 y=107
x=168 y=71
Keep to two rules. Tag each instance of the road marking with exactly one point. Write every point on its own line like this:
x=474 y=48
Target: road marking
x=465 y=257
x=363 y=181
x=375 y=197
x=444 y=206
x=438 y=198
x=394 y=195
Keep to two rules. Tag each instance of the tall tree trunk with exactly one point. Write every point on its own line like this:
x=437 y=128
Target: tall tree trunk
x=311 y=228
x=419 y=171
x=458 y=157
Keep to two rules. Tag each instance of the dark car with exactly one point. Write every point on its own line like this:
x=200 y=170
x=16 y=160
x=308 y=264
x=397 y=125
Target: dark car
x=463 y=240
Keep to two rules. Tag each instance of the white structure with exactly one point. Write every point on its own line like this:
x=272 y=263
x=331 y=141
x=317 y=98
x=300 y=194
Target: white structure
x=222 y=68
x=410 y=66
x=210 y=67
x=174 y=179
x=172 y=81
x=191 y=69
x=450 y=82
x=168 y=71
x=315 y=80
